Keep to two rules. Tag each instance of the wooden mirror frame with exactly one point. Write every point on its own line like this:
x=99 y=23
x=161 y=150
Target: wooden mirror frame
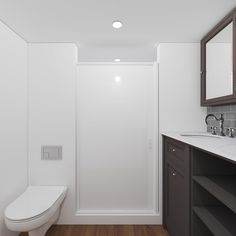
x=229 y=99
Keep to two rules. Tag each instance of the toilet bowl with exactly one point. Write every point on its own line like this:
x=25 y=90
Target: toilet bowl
x=35 y=210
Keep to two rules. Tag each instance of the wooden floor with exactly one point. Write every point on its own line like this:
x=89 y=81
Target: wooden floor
x=105 y=230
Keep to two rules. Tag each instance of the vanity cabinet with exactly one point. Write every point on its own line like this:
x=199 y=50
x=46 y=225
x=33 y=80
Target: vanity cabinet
x=176 y=187
x=199 y=191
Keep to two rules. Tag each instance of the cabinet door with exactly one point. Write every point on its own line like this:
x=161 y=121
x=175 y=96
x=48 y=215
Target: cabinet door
x=176 y=187
x=177 y=221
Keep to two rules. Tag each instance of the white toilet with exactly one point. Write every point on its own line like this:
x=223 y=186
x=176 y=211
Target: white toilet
x=35 y=210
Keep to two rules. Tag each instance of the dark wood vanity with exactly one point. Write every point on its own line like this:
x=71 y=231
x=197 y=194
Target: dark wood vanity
x=199 y=191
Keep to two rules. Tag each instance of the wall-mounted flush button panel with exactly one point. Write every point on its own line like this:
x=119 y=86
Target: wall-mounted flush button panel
x=51 y=152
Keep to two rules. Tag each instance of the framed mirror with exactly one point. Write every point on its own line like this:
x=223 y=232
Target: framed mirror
x=218 y=63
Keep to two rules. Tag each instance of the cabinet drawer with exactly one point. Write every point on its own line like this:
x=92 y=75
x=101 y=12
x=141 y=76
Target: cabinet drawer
x=177 y=153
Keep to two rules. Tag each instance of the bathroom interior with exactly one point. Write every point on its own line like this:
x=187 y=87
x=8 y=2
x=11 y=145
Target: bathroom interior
x=118 y=118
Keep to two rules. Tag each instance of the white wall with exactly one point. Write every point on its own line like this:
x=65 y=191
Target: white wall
x=52 y=77
x=13 y=119
x=179 y=88
x=106 y=54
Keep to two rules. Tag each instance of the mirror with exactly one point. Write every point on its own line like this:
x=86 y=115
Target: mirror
x=219 y=64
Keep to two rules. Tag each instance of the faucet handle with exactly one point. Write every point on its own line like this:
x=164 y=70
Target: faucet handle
x=213 y=130
x=231 y=132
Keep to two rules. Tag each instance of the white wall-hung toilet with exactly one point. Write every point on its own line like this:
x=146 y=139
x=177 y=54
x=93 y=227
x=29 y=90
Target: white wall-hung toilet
x=35 y=210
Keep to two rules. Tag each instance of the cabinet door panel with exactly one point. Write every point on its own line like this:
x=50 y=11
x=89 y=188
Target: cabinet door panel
x=176 y=208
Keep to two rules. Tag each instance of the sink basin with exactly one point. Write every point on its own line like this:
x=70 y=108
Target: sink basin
x=210 y=136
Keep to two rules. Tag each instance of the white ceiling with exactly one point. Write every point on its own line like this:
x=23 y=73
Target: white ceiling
x=89 y=22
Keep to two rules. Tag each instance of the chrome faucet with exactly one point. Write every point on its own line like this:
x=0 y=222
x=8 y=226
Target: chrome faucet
x=221 y=122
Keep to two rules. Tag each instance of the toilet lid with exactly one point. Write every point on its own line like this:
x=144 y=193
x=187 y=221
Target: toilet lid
x=33 y=202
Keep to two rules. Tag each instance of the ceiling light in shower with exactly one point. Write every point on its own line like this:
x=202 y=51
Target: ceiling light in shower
x=117 y=60
x=117 y=24
x=117 y=79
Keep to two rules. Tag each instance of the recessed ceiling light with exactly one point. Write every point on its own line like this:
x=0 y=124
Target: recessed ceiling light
x=117 y=24
x=117 y=60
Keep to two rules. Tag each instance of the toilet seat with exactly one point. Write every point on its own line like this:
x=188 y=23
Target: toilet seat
x=34 y=207
x=35 y=201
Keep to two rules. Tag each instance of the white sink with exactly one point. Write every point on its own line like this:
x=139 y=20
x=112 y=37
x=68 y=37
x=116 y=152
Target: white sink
x=210 y=136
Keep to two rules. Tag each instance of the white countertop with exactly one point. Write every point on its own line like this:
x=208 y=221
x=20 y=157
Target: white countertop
x=222 y=146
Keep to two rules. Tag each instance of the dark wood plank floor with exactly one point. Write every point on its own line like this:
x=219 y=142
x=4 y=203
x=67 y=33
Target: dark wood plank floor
x=105 y=230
